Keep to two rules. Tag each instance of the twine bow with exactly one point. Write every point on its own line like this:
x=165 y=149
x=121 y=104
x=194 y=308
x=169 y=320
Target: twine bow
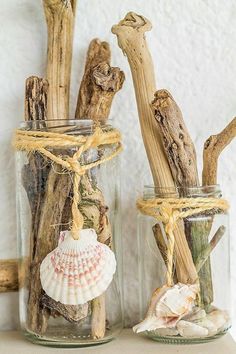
x=32 y=141
x=170 y=210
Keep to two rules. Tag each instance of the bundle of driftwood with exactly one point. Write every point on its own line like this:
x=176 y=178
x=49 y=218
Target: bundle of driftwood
x=49 y=189
x=171 y=152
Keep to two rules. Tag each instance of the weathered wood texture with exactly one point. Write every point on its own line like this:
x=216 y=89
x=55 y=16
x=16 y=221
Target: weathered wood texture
x=8 y=275
x=177 y=143
x=181 y=155
x=60 y=23
x=36 y=91
x=99 y=84
x=131 y=39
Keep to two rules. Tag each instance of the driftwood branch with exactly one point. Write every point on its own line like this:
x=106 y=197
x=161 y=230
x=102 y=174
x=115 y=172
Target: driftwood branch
x=177 y=143
x=60 y=22
x=160 y=241
x=204 y=255
x=8 y=275
x=99 y=84
x=131 y=39
x=35 y=109
x=213 y=147
x=36 y=91
x=181 y=155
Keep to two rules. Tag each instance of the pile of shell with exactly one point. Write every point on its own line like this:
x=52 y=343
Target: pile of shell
x=198 y=324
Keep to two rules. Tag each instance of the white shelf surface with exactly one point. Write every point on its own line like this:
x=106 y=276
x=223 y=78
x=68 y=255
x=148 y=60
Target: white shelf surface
x=126 y=343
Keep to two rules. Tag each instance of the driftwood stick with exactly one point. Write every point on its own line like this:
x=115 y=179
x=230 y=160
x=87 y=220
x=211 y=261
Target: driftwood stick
x=99 y=84
x=36 y=90
x=8 y=275
x=160 y=241
x=57 y=191
x=181 y=155
x=178 y=145
x=131 y=39
x=60 y=22
x=98 y=321
x=203 y=256
x=213 y=147
x=35 y=108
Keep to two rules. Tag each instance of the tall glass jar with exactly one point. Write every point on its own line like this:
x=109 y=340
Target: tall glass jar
x=169 y=315
x=45 y=194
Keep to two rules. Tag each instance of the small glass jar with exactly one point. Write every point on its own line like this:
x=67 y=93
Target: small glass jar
x=209 y=315
x=44 y=199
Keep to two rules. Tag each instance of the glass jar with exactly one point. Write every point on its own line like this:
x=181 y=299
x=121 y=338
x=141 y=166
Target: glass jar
x=166 y=316
x=45 y=194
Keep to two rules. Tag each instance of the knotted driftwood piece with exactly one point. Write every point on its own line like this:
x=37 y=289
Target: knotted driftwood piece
x=131 y=39
x=99 y=84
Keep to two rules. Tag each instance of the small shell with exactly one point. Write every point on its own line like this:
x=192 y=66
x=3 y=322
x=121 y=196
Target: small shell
x=77 y=270
x=219 y=318
x=162 y=332
x=177 y=301
x=196 y=314
x=206 y=323
x=168 y=305
x=191 y=330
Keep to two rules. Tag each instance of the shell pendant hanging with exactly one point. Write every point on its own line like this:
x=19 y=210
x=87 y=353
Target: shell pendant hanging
x=77 y=271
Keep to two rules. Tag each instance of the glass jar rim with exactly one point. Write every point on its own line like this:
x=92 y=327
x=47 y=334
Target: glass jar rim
x=152 y=191
x=85 y=126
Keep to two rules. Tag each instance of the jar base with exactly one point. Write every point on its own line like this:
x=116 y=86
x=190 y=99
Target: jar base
x=66 y=342
x=182 y=340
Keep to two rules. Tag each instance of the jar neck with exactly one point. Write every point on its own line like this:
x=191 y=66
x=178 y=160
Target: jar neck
x=64 y=126
x=213 y=191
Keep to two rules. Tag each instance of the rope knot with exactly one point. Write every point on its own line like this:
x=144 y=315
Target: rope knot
x=75 y=166
x=173 y=218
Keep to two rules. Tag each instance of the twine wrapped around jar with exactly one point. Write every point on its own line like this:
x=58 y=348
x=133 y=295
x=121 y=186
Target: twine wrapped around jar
x=170 y=210
x=32 y=141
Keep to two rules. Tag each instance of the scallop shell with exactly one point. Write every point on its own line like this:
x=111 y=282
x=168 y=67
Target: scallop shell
x=77 y=270
x=168 y=305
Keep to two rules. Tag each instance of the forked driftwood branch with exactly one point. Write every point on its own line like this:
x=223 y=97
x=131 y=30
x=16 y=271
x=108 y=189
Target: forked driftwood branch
x=131 y=39
x=213 y=147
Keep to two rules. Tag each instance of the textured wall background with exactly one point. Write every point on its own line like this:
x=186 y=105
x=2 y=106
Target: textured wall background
x=193 y=47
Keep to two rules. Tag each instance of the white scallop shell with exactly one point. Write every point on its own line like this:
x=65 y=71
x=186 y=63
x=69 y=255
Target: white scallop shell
x=77 y=270
x=168 y=305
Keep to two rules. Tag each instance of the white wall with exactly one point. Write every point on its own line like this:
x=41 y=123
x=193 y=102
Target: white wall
x=193 y=47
